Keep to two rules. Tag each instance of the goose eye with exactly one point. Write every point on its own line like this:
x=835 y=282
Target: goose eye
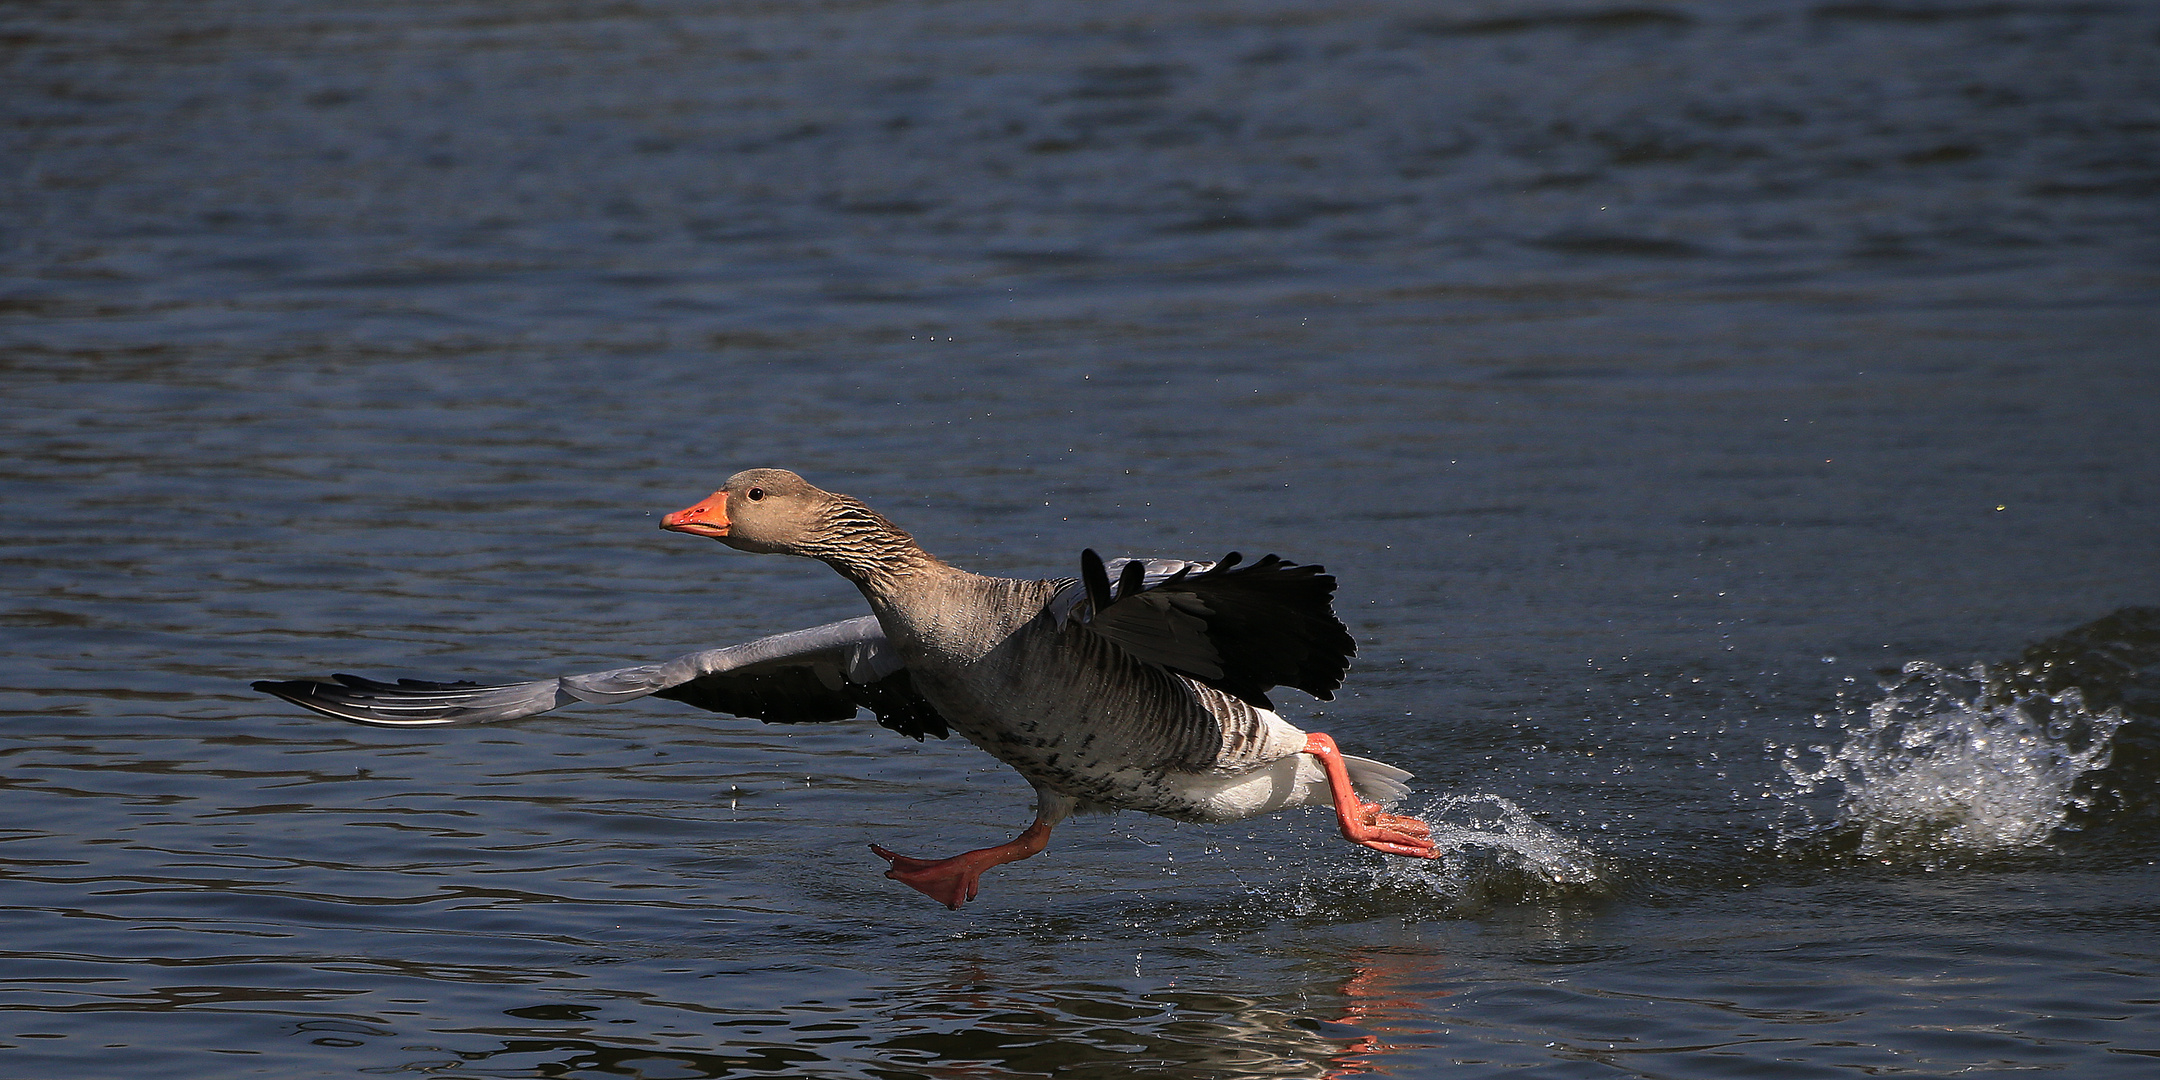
x=755 y=494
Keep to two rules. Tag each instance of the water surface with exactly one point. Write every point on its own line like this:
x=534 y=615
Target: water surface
x=1732 y=427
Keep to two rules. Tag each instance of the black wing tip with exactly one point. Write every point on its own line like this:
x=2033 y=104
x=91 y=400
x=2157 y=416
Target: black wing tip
x=314 y=695
x=1270 y=563
x=1131 y=579
x=900 y=708
x=799 y=696
x=1312 y=650
x=360 y=700
x=1272 y=621
x=292 y=689
x=377 y=686
x=1096 y=578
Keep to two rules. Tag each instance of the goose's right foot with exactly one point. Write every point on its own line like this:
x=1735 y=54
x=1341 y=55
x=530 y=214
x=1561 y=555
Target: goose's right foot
x=1363 y=822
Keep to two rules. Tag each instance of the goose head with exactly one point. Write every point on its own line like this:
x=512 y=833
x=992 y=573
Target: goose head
x=774 y=511
x=761 y=510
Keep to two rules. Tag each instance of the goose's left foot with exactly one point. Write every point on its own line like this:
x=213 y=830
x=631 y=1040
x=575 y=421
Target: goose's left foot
x=955 y=881
x=1363 y=822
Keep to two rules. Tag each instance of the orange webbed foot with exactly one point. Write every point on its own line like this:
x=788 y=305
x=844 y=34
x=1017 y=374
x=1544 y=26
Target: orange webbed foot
x=1396 y=834
x=1363 y=822
x=951 y=882
x=955 y=881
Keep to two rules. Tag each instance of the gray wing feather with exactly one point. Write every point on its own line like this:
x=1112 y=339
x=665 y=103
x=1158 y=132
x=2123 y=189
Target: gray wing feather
x=853 y=651
x=1071 y=592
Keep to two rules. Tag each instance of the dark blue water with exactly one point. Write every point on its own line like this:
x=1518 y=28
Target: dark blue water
x=1733 y=426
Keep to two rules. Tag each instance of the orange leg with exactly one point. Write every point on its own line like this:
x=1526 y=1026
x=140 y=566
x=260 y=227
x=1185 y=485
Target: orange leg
x=953 y=882
x=1363 y=822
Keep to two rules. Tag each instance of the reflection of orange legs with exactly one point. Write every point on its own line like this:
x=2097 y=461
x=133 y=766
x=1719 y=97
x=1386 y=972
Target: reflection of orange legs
x=1382 y=998
x=953 y=882
x=1363 y=822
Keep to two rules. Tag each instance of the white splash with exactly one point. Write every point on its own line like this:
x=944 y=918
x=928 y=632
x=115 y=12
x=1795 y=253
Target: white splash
x=1953 y=763
x=1465 y=825
x=1492 y=853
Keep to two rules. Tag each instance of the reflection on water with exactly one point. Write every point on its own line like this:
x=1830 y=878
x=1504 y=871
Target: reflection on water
x=1389 y=999
x=977 y=1023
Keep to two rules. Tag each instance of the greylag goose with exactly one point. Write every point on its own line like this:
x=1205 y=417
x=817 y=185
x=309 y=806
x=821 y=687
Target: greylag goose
x=1141 y=685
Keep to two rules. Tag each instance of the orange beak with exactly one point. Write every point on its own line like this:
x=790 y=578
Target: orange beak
x=708 y=518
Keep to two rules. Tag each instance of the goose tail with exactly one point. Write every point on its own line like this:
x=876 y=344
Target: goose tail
x=1376 y=781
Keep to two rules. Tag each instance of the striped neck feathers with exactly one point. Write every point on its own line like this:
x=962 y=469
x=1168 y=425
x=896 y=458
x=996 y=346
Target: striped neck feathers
x=863 y=545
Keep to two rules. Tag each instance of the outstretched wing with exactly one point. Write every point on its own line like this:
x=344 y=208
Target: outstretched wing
x=1242 y=629
x=804 y=676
